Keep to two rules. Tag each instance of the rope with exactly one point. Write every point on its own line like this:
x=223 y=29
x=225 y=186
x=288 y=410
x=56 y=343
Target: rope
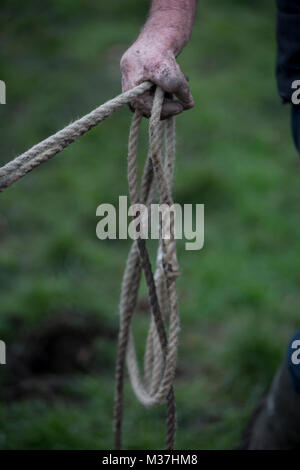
x=54 y=144
x=161 y=351
x=156 y=385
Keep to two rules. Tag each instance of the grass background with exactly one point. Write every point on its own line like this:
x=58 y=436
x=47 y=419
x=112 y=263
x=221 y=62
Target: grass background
x=239 y=296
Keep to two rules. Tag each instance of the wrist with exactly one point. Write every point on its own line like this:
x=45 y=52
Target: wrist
x=151 y=44
x=166 y=31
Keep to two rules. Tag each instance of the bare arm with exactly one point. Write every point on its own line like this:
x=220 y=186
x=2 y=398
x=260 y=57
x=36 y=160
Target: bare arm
x=153 y=55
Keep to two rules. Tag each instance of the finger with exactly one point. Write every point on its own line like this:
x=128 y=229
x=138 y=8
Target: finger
x=184 y=95
x=178 y=86
x=144 y=104
x=171 y=108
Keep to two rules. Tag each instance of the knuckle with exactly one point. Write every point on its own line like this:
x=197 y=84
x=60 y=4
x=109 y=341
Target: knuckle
x=190 y=104
x=124 y=63
x=142 y=105
x=174 y=83
x=171 y=80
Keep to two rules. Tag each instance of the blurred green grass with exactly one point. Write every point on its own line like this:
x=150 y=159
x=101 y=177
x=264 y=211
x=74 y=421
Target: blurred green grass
x=239 y=296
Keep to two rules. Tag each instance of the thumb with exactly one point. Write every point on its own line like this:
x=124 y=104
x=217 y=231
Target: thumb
x=174 y=82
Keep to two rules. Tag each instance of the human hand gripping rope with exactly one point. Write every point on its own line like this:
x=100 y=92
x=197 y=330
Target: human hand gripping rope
x=161 y=350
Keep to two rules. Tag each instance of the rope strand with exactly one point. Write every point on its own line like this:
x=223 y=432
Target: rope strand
x=43 y=151
x=161 y=351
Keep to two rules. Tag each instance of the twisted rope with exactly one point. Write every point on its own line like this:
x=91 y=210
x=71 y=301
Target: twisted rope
x=54 y=144
x=161 y=351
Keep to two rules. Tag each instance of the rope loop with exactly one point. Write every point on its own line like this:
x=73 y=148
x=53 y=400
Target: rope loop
x=156 y=384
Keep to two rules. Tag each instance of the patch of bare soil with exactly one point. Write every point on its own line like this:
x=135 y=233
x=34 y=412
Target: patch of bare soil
x=41 y=362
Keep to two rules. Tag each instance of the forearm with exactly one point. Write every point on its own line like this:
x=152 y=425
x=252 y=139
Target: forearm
x=169 y=25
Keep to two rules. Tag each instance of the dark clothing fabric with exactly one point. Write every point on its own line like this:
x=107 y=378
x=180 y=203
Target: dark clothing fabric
x=288 y=46
x=295 y=123
x=288 y=58
x=292 y=357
